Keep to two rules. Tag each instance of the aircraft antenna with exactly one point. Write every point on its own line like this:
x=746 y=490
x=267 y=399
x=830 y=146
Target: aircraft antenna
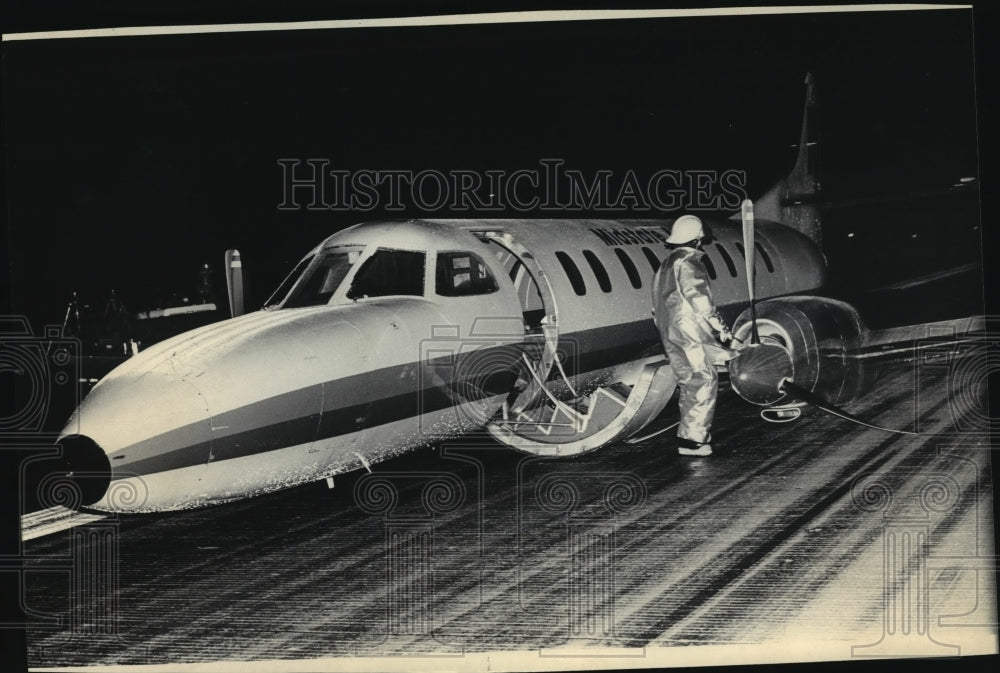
x=750 y=257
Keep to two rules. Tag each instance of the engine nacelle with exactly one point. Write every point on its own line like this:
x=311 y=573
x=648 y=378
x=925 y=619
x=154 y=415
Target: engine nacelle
x=805 y=340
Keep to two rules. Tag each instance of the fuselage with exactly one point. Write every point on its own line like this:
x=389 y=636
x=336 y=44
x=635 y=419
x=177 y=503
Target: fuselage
x=393 y=335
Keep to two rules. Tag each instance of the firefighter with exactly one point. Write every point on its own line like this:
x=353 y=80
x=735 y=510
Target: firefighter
x=686 y=319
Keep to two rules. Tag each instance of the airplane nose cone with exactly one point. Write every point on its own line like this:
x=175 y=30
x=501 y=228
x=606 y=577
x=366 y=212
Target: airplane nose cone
x=168 y=415
x=79 y=477
x=126 y=410
x=127 y=423
x=169 y=418
x=87 y=466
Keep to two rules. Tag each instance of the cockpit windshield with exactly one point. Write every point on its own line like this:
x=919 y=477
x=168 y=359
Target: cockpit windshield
x=315 y=279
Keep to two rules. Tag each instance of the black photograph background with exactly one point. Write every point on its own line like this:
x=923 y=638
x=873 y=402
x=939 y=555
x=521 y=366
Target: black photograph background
x=133 y=160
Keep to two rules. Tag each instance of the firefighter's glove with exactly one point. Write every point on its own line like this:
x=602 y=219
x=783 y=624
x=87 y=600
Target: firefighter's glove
x=720 y=328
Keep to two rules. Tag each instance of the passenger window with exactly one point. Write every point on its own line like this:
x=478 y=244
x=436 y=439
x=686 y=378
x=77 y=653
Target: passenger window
x=727 y=259
x=765 y=257
x=651 y=257
x=390 y=272
x=708 y=265
x=461 y=274
x=599 y=271
x=629 y=266
x=573 y=273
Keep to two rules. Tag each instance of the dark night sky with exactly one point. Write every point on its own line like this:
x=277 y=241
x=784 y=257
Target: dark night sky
x=130 y=161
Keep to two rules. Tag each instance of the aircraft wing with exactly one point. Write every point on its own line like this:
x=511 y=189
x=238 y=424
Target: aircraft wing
x=946 y=338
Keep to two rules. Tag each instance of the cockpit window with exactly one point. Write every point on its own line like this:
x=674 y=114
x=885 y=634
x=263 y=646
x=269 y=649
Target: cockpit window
x=321 y=280
x=389 y=272
x=461 y=274
x=287 y=284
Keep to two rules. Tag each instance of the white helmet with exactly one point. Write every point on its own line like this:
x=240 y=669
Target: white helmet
x=686 y=228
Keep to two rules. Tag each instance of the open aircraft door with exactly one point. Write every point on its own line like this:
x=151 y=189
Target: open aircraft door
x=540 y=315
x=548 y=416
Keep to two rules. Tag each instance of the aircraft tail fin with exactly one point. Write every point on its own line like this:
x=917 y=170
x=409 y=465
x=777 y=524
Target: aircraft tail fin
x=793 y=200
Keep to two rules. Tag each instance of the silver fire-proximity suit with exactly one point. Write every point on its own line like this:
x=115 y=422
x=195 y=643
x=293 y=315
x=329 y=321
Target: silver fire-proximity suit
x=685 y=315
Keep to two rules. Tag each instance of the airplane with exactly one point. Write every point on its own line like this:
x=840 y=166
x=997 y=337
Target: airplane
x=392 y=335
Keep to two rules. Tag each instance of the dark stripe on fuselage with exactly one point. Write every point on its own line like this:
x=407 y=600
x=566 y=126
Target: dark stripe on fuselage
x=603 y=347
x=372 y=399
x=292 y=432
x=352 y=404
